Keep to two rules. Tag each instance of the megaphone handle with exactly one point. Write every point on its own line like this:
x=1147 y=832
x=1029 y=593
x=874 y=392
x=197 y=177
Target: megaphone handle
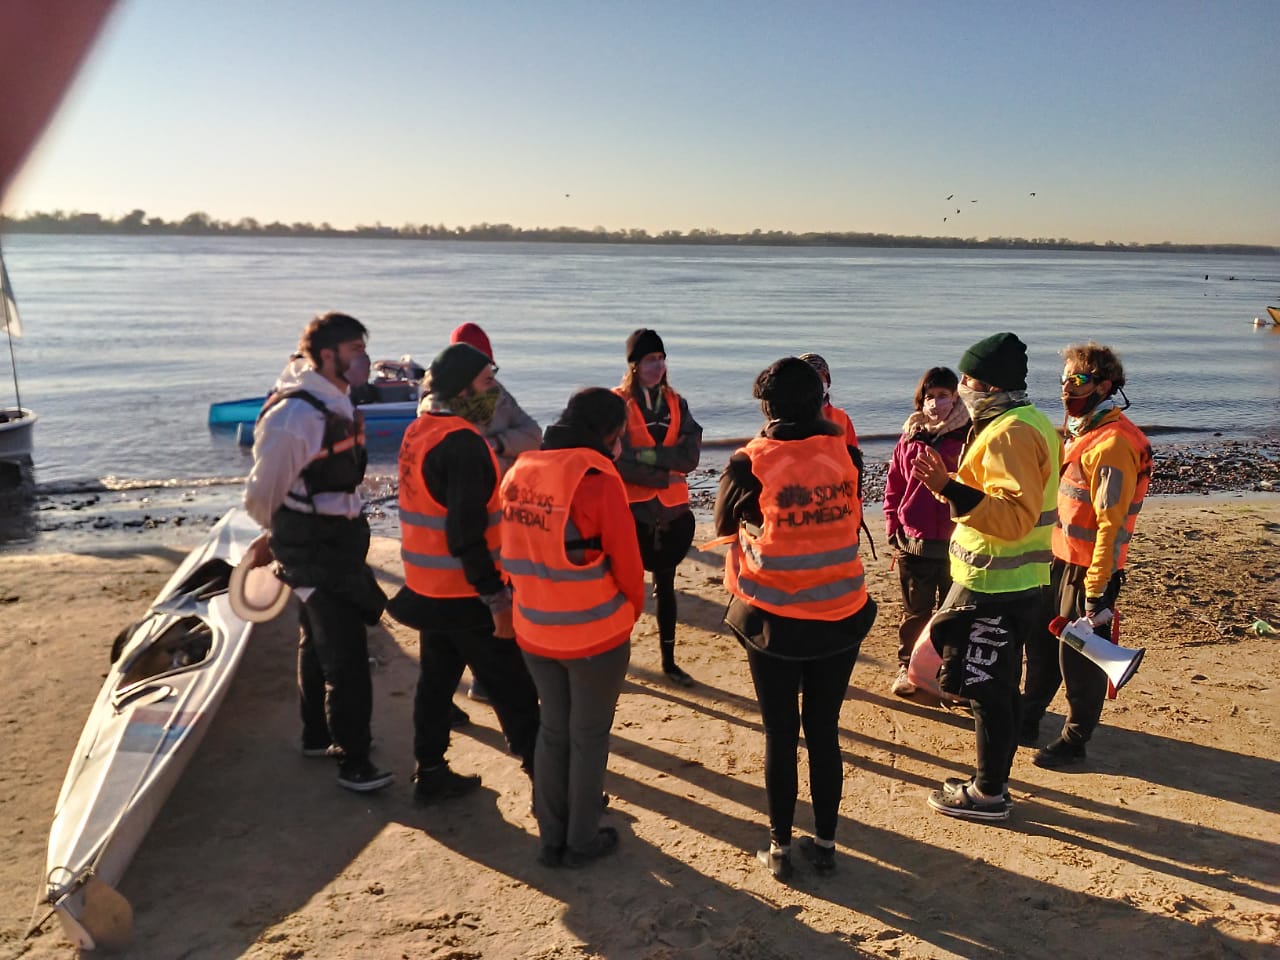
x=1101 y=618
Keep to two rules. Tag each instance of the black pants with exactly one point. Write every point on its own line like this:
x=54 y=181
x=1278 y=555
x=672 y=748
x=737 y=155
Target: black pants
x=662 y=547
x=925 y=582
x=778 y=686
x=444 y=652
x=981 y=637
x=1050 y=662
x=334 y=688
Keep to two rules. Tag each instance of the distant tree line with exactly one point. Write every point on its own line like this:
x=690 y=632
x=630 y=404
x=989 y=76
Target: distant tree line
x=200 y=224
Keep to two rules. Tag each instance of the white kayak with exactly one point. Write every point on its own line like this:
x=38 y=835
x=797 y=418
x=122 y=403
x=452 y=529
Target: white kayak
x=168 y=676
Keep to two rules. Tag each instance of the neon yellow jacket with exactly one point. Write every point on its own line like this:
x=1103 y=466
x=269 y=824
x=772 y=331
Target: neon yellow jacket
x=1003 y=545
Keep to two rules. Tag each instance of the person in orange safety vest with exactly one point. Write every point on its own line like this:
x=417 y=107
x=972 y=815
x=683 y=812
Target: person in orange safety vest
x=788 y=506
x=1105 y=475
x=454 y=594
x=662 y=443
x=569 y=548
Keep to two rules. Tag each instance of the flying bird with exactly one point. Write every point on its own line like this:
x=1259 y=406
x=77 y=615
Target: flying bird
x=957 y=209
x=973 y=201
x=950 y=195
x=568 y=195
x=1033 y=193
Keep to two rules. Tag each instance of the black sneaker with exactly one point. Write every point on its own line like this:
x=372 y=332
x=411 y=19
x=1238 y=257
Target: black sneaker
x=458 y=718
x=965 y=806
x=1029 y=735
x=605 y=843
x=552 y=857
x=1060 y=753
x=822 y=858
x=441 y=783
x=676 y=675
x=779 y=863
x=363 y=777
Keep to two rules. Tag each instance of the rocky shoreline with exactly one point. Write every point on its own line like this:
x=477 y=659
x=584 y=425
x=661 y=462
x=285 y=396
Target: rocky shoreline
x=1220 y=466
x=92 y=518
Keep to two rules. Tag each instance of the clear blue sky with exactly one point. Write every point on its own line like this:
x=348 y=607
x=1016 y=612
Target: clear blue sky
x=1131 y=121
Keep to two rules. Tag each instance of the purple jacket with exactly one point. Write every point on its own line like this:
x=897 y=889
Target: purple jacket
x=913 y=517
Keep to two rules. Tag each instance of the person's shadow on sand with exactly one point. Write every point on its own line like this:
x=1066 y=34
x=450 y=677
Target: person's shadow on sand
x=254 y=833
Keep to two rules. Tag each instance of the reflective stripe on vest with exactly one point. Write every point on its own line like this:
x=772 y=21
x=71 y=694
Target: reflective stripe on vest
x=429 y=568
x=676 y=492
x=1076 y=535
x=802 y=562
x=562 y=608
x=987 y=564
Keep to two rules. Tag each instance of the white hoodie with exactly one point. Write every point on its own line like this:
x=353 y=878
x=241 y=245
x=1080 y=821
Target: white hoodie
x=285 y=440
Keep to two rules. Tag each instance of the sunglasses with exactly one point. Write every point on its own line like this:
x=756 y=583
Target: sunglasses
x=1078 y=379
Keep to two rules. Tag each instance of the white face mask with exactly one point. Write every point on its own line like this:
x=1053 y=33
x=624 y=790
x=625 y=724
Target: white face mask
x=357 y=372
x=937 y=408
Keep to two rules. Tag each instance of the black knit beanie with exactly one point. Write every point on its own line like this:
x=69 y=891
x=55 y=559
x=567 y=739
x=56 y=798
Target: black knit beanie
x=791 y=389
x=1000 y=361
x=454 y=368
x=642 y=343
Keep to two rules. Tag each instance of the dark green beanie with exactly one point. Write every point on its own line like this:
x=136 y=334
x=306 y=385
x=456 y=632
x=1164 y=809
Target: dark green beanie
x=1000 y=361
x=454 y=368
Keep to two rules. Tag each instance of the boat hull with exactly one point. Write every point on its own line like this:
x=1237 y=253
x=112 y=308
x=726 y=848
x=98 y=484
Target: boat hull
x=17 y=434
x=170 y=674
x=1275 y=314
x=383 y=422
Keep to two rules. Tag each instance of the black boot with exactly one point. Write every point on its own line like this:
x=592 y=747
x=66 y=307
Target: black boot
x=673 y=673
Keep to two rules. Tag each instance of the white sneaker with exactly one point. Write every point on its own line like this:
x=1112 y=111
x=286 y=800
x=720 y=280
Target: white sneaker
x=902 y=687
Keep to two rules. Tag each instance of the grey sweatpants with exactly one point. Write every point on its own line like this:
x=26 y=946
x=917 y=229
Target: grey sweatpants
x=578 y=698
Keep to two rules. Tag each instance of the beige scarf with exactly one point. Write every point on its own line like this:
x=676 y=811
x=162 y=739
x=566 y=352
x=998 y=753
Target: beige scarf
x=919 y=423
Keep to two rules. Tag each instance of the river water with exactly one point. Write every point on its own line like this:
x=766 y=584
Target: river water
x=129 y=339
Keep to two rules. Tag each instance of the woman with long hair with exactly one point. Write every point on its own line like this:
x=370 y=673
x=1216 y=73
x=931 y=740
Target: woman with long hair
x=660 y=446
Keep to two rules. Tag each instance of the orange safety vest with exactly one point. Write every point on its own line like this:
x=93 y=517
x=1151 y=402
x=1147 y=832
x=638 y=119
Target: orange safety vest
x=676 y=492
x=1076 y=531
x=803 y=562
x=841 y=420
x=429 y=568
x=563 y=608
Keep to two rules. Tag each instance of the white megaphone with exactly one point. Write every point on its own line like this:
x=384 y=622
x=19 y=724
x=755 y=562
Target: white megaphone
x=1117 y=662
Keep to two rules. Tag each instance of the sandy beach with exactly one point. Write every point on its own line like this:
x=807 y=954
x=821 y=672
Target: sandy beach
x=1158 y=847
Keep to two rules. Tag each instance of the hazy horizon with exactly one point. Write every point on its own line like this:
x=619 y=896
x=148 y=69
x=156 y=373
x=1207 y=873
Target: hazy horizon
x=109 y=224
x=1130 y=122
